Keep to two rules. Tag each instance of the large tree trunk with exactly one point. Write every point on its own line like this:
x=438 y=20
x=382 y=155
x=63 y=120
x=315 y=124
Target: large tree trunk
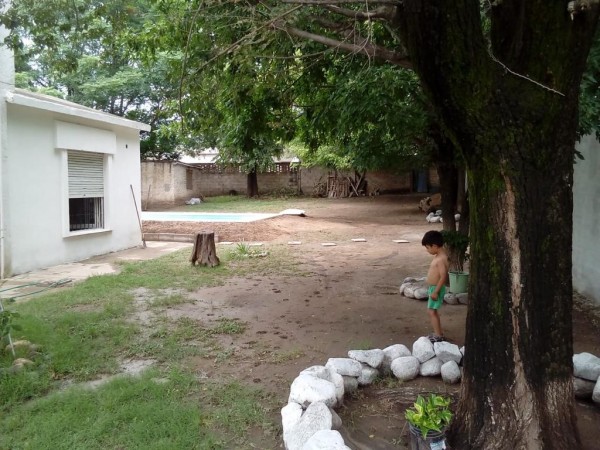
x=512 y=110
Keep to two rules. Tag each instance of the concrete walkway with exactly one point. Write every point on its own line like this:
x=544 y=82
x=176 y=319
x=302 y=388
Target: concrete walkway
x=25 y=285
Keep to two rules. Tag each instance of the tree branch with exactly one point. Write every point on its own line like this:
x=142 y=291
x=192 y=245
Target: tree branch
x=341 y=2
x=368 y=49
x=383 y=12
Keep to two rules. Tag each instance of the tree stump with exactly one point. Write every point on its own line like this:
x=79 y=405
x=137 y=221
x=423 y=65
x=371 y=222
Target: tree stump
x=204 y=252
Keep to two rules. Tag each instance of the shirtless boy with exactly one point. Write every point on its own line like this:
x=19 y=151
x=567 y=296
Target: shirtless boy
x=436 y=279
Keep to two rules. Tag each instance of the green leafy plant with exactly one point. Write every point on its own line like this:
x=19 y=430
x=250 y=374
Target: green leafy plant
x=457 y=244
x=243 y=250
x=430 y=414
x=7 y=322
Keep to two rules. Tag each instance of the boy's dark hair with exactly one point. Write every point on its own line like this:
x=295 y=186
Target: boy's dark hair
x=433 y=237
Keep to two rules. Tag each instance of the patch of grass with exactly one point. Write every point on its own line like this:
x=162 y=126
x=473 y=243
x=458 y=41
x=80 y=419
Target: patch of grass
x=168 y=301
x=224 y=355
x=229 y=326
x=127 y=413
x=266 y=204
x=361 y=345
x=278 y=262
x=83 y=332
x=277 y=357
x=237 y=407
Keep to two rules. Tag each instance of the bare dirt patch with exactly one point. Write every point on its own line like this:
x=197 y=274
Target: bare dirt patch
x=345 y=298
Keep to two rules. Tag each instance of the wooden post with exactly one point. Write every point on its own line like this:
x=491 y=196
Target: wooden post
x=204 y=252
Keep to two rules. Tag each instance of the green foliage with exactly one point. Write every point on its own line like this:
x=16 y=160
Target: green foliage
x=457 y=244
x=243 y=250
x=363 y=116
x=430 y=414
x=85 y=51
x=589 y=99
x=7 y=323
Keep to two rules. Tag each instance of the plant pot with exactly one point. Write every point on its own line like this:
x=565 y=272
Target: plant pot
x=434 y=440
x=459 y=282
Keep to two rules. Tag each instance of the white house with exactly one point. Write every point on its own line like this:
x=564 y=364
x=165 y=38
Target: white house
x=68 y=176
x=586 y=220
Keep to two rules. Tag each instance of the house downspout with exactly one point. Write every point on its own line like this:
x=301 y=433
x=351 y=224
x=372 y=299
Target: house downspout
x=7 y=85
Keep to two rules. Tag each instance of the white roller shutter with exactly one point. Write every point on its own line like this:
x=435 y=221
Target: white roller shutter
x=86 y=175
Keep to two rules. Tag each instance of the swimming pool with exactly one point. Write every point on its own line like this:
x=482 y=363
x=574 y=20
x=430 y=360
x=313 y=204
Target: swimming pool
x=203 y=217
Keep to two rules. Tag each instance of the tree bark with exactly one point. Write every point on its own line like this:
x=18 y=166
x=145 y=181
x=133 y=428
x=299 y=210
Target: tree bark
x=512 y=109
x=204 y=252
x=252 y=184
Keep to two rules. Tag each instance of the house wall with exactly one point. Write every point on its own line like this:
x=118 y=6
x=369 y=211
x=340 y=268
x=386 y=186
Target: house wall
x=586 y=220
x=36 y=193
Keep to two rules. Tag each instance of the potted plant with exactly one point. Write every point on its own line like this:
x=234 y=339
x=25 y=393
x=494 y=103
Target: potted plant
x=428 y=419
x=457 y=244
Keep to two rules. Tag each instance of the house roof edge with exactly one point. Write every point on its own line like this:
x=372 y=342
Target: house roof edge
x=29 y=99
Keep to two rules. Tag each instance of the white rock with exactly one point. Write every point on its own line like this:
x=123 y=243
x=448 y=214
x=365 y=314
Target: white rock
x=596 y=393
x=450 y=372
x=326 y=373
x=336 y=420
x=307 y=389
x=411 y=280
x=392 y=352
x=405 y=368
x=431 y=368
x=368 y=375
x=435 y=219
x=421 y=293
x=586 y=366
x=318 y=371
x=463 y=298
x=373 y=358
x=338 y=382
x=344 y=366
x=326 y=440
x=583 y=388
x=447 y=352
x=317 y=417
x=451 y=299
x=350 y=384
x=409 y=291
x=402 y=287
x=423 y=349
x=290 y=415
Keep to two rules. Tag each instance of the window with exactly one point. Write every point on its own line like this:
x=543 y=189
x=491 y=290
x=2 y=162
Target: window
x=86 y=190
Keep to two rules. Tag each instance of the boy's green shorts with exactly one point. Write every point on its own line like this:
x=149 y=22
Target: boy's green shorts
x=435 y=304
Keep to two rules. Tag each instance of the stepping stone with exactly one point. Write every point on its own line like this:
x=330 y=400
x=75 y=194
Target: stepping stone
x=294 y=243
x=328 y=244
x=359 y=240
x=225 y=243
x=400 y=241
x=255 y=244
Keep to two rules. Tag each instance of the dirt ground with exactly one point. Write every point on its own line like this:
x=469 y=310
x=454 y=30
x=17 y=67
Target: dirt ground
x=349 y=300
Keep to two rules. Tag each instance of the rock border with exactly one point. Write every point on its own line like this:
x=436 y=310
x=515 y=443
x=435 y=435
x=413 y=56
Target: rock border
x=309 y=419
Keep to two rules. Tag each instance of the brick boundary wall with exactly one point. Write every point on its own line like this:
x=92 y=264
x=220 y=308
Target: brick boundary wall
x=168 y=183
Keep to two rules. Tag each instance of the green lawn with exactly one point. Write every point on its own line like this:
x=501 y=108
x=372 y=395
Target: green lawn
x=83 y=333
x=240 y=203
